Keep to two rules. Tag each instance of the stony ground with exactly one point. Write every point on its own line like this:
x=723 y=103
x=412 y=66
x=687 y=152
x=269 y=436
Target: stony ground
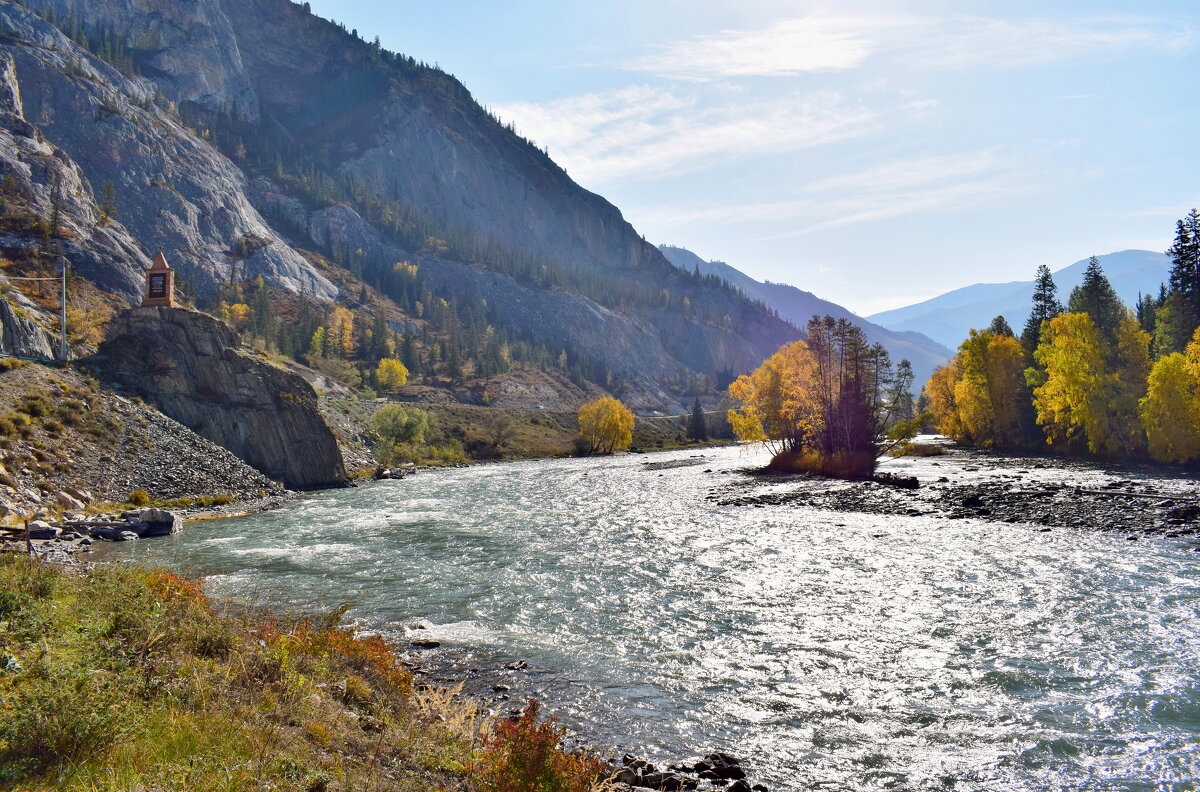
x=1048 y=492
x=59 y=430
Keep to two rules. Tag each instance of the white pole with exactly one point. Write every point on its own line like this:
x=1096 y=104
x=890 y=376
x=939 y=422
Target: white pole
x=62 y=325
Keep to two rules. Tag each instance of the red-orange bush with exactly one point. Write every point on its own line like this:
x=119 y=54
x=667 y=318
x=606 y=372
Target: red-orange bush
x=525 y=755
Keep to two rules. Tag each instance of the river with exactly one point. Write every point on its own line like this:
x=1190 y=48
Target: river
x=830 y=650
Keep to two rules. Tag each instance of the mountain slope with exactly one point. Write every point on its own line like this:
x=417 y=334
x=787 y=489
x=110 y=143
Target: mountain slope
x=798 y=306
x=239 y=133
x=252 y=138
x=949 y=317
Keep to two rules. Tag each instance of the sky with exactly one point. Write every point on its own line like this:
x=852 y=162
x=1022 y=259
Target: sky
x=874 y=153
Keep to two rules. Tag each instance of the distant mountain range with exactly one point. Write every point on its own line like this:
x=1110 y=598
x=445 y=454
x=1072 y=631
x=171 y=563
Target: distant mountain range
x=798 y=306
x=948 y=318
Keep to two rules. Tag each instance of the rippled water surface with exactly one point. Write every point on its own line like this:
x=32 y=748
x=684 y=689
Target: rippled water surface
x=832 y=650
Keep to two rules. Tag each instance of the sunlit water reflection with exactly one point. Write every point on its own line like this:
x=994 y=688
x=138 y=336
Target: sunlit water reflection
x=860 y=651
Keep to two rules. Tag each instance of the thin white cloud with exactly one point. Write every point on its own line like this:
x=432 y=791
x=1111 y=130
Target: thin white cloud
x=837 y=43
x=642 y=132
x=967 y=41
x=925 y=184
x=787 y=47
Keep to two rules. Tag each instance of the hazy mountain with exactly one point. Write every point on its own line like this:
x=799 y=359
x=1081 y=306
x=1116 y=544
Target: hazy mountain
x=798 y=306
x=243 y=136
x=949 y=317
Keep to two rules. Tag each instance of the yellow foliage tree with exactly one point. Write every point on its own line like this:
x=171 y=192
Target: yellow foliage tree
x=778 y=401
x=316 y=345
x=939 y=390
x=1072 y=403
x=971 y=392
x=391 y=374
x=1170 y=410
x=340 y=332
x=976 y=396
x=239 y=315
x=1006 y=385
x=606 y=425
x=1129 y=369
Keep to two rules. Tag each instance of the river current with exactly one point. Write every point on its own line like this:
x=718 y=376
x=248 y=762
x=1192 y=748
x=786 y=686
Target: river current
x=829 y=650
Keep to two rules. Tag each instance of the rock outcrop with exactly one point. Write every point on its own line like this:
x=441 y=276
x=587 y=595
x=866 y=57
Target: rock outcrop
x=21 y=336
x=189 y=365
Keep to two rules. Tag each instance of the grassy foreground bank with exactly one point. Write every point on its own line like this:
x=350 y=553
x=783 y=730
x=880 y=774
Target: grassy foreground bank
x=120 y=678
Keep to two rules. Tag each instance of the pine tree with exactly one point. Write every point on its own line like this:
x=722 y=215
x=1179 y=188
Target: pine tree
x=108 y=203
x=1045 y=307
x=1001 y=327
x=1096 y=297
x=1184 y=285
x=697 y=427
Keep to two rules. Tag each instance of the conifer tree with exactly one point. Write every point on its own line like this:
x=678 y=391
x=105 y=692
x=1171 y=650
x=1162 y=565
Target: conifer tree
x=1180 y=312
x=1096 y=297
x=697 y=427
x=1045 y=307
x=1000 y=327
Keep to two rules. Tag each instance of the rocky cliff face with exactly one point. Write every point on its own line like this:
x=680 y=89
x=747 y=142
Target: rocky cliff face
x=175 y=192
x=21 y=336
x=189 y=366
x=34 y=172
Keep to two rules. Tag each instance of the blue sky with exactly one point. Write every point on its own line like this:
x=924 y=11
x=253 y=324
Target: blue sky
x=875 y=153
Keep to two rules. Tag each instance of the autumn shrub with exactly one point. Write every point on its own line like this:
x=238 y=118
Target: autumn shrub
x=8 y=427
x=139 y=497
x=36 y=405
x=838 y=465
x=525 y=754
x=10 y=364
x=919 y=450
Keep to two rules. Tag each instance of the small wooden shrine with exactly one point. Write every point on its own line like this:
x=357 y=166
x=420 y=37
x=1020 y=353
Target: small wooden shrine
x=160 y=284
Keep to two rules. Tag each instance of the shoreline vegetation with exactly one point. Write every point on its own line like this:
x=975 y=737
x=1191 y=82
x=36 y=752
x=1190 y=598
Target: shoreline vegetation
x=127 y=678
x=1092 y=377
x=830 y=405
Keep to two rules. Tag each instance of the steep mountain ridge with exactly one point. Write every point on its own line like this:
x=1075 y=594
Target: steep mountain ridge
x=798 y=306
x=948 y=317
x=249 y=124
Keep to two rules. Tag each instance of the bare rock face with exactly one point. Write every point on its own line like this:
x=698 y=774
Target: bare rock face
x=189 y=366
x=175 y=192
x=33 y=169
x=21 y=337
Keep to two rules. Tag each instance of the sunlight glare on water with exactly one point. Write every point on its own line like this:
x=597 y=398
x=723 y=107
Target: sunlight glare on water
x=859 y=651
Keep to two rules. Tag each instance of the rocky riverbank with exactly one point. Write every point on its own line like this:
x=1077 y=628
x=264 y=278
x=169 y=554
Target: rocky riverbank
x=1046 y=493
x=503 y=686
